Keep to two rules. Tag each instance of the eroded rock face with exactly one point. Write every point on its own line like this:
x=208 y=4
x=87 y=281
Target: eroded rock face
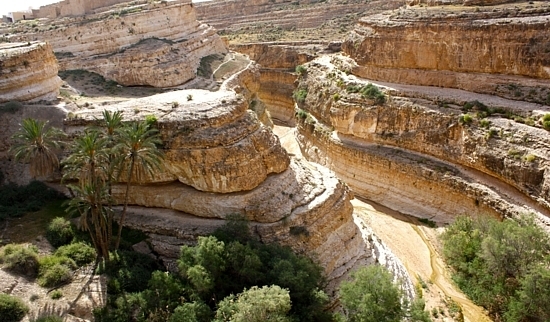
x=28 y=72
x=211 y=140
x=414 y=155
x=157 y=44
x=462 y=48
x=305 y=207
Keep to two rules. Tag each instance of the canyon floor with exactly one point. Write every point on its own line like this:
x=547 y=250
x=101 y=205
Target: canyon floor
x=416 y=245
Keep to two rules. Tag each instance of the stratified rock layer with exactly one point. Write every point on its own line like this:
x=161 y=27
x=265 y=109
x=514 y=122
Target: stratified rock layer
x=210 y=139
x=158 y=44
x=417 y=157
x=460 y=47
x=28 y=72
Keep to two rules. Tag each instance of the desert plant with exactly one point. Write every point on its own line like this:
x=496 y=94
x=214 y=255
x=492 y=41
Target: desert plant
x=59 y=232
x=300 y=95
x=300 y=69
x=465 y=119
x=189 y=97
x=81 y=253
x=37 y=143
x=336 y=97
x=56 y=295
x=373 y=92
x=55 y=270
x=12 y=309
x=22 y=259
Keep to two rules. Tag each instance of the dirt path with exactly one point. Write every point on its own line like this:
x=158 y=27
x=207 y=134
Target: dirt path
x=414 y=245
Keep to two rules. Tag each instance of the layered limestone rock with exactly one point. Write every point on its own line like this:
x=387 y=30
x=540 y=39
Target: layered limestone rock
x=306 y=207
x=156 y=44
x=413 y=153
x=488 y=49
x=211 y=141
x=220 y=161
x=28 y=72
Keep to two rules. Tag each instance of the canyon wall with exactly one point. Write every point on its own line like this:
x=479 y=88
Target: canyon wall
x=28 y=72
x=158 y=44
x=460 y=47
x=220 y=161
x=414 y=154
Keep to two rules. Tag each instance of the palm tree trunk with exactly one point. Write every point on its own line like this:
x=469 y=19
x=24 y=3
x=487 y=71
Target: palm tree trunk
x=125 y=208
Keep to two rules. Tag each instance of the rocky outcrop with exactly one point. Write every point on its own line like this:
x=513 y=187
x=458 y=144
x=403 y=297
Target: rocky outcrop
x=413 y=149
x=460 y=2
x=464 y=47
x=156 y=44
x=220 y=160
x=28 y=72
x=211 y=141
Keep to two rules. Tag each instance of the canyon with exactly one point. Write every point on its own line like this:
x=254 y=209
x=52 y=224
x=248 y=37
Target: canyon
x=425 y=111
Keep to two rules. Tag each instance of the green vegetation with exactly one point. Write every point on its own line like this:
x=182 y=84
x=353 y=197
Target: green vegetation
x=428 y=222
x=336 y=97
x=37 y=143
x=231 y=275
x=22 y=259
x=12 y=309
x=301 y=69
x=79 y=252
x=59 y=232
x=372 y=296
x=16 y=201
x=56 y=295
x=300 y=95
x=546 y=122
x=465 y=119
x=502 y=266
x=55 y=270
x=49 y=318
x=373 y=92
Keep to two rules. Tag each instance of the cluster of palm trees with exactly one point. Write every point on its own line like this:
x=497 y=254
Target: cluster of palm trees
x=115 y=152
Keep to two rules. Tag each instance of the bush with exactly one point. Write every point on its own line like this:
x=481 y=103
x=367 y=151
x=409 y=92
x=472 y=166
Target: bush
x=300 y=69
x=465 y=119
x=12 y=309
x=60 y=232
x=22 y=259
x=371 y=295
x=49 y=318
x=81 y=253
x=300 y=95
x=56 y=295
x=373 y=92
x=55 y=270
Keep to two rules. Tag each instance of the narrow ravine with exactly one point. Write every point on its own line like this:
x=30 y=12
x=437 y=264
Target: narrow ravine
x=414 y=246
x=411 y=242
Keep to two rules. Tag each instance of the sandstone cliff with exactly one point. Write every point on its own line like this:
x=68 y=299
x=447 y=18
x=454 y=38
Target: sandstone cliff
x=28 y=72
x=157 y=44
x=413 y=153
x=489 y=49
x=220 y=160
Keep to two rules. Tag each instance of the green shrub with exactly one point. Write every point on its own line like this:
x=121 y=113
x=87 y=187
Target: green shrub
x=336 y=97
x=546 y=125
x=529 y=158
x=300 y=95
x=485 y=123
x=55 y=270
x=56 y=295
x=12 y=309
x=302 y=114
x=22 y=259
x=10 y=107
x=372 y=296
x=465 y=119
x=49 y=318
x=81 y=253
x=60 y=232
x=373 y=92
x=300 y=69
x=128 y=271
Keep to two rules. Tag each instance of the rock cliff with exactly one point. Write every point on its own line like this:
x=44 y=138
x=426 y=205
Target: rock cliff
x=220 y=160
x=415 y=152
x=28 y=72
x=489 y=49
x=155 y=44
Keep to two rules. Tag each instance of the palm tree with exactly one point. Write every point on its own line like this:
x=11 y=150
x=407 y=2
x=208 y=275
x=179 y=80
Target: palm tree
x=37 y=143
x=89 y=163
x=111 y=122
x=139 y=157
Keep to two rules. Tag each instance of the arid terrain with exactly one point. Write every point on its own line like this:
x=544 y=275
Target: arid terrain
x=263 y=111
